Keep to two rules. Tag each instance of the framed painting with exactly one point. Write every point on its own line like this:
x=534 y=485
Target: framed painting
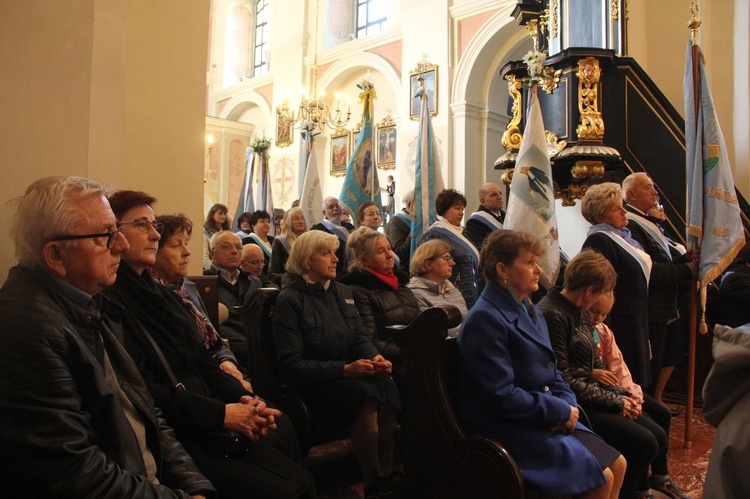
x=386 y=144
x=340 y=147
x=355 y=134
x=284 y=129
x=429 y=72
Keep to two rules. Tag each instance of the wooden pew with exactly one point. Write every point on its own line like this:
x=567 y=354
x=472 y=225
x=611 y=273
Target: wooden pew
x=440 y=459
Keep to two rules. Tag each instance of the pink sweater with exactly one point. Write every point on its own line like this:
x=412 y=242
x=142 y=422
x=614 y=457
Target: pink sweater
x=612 y=358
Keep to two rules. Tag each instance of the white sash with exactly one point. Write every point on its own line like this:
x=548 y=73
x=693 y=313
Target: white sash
x=486 y=218
x=446 y=228
x=643 y=258
x=340 y=231
x=653 y=230
x=403 y=218
x=284 y=243
x=260 y=242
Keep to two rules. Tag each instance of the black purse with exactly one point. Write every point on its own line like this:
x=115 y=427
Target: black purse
x=219 y=443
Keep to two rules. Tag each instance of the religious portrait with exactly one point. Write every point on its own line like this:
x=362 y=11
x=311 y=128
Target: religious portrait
x=339 y=154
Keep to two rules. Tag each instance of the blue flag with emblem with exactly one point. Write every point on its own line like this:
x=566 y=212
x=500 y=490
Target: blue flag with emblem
x=361 y=181
x=713 y=212
x=428 y=178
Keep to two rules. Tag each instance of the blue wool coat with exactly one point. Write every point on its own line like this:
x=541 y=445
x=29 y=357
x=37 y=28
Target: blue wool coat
x=512 y=391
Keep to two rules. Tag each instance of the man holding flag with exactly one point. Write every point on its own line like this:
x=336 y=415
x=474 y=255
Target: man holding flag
x=531 y=202
x=361 y=182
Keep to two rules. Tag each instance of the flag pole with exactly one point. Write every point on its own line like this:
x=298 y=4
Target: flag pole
x=694 y=24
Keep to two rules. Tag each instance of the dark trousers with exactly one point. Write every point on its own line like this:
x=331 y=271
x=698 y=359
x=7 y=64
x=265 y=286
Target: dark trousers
x=657 y=333
x=642 y=442
x=270 y=469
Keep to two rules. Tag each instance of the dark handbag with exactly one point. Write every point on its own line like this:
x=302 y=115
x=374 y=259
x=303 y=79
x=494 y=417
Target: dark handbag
x=219 y=443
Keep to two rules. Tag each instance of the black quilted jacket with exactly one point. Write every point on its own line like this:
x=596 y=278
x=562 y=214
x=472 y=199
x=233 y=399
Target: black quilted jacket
x=570 y=332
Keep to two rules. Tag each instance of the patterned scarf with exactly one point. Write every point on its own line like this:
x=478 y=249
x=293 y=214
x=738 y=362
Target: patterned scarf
x=205 y=328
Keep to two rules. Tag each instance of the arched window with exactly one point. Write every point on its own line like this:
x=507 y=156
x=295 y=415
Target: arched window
x=260 y=61
x=372 y=16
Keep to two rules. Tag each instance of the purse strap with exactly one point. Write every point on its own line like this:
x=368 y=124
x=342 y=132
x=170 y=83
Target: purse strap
x=164 y=363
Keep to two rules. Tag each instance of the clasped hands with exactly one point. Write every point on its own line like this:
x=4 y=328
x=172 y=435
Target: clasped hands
x=377 y=367
x=251 y=417
x=570 y=424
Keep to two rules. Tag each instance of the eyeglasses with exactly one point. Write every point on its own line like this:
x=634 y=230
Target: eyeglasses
x=447 y=258
x=144 y=225
x=229 y=246
x=254 y=262
x=111 y=236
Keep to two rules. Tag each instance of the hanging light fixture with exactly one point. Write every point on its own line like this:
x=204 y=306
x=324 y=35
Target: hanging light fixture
x=313 y=110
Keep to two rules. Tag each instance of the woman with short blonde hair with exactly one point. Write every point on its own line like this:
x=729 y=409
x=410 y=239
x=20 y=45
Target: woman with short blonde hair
x=292 y=226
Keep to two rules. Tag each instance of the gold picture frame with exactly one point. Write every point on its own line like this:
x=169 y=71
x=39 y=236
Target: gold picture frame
x=284 y=129
x=429 y=73
x=340 y=152
x=386 y=144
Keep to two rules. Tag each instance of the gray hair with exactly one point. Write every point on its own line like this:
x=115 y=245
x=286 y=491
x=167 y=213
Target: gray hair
x=629 y=182
x=286 y=224
x=359 y=244
x=50 y=208
x=306 y=245
x=408 y=197
x=215 y=238
x=598 y=198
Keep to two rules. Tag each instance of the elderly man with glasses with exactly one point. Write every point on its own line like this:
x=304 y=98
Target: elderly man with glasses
x=236 y=287
x=76 y=418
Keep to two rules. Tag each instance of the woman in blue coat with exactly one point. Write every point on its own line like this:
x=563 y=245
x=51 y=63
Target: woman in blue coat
x=511 y=389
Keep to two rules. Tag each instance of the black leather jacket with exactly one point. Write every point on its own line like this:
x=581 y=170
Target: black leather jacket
x=570 y=331
x=63 y=430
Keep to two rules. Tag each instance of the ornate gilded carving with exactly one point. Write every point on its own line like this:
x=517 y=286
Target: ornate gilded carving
x=533 y=28
x=507 y=177
x=512 y=135
x=551 y=78
x=591 y=126
x=573 y=192
x=627 y=10
x=615 y=10
x=553 y=9
x=587 y=169
x=554 y=145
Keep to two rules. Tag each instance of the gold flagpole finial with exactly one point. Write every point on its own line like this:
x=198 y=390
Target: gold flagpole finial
x=695 y=22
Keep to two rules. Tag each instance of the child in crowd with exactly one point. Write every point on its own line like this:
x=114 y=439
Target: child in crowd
x=617 y=373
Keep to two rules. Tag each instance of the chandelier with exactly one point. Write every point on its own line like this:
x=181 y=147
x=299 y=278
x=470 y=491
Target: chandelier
x=313 y=111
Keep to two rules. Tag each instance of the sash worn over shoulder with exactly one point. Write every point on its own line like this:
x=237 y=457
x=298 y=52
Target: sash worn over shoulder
x=284 y=243
x=652 y=230
x=487 y=219
x=643 y=258
x=402 y=216
x=260 y=243
x=458 y=239
x=341 y=232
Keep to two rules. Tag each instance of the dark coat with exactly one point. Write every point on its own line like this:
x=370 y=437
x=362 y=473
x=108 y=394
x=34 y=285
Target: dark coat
x=150 y=307
x=570 y=333
x=279 y=256
x=477 y=231
x=317 y=331
x=511 y=390
x=734 y=296
x=379 y=306
x=667 y=273
x=399 y=233
x=62 y=425
x=628 y=319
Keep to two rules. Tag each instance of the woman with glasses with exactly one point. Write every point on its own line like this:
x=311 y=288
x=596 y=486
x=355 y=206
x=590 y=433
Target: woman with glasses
x=199 y=400
x=380 y=293
x=431 y=269
x=260 y=228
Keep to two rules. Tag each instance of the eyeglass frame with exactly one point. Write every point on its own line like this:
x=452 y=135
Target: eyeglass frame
x=157 y=226
x=111 y=236
x=447 y=258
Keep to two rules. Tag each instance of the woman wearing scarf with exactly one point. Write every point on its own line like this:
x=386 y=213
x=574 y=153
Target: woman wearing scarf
x=449 y=206
x=260 y=227
x=380 y=294
x=198 y=399
x=602 y=207
x=170 y=269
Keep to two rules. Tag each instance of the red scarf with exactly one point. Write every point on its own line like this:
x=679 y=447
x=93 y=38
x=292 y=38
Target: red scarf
x=390 y=278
